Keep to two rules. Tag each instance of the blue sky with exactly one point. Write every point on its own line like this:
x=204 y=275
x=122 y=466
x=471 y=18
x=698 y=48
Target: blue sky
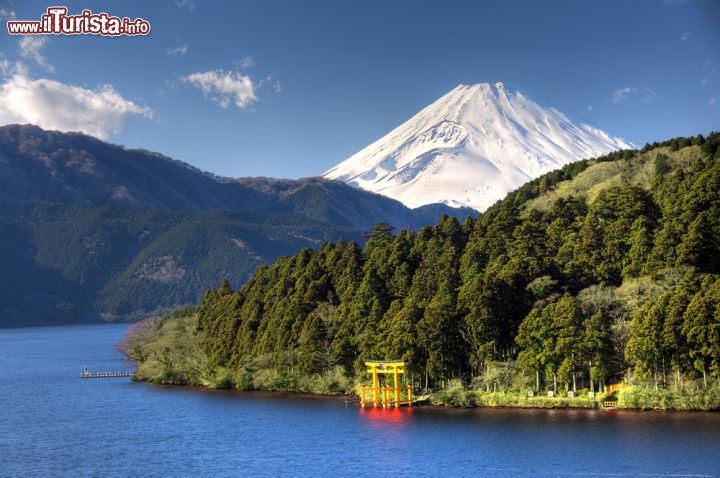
x=309 y=83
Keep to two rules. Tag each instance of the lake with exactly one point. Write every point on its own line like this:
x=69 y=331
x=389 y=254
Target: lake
x=52 y=423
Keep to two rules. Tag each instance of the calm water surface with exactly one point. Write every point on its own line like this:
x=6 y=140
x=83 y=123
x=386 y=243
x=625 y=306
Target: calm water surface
x=52 y=423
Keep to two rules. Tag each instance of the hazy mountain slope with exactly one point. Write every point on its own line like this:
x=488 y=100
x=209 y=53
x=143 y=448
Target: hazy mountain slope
x=470 y=148
x=31 y=294
x=79 y=169
x=38 y=165
x=90 y=230
x=69 y=263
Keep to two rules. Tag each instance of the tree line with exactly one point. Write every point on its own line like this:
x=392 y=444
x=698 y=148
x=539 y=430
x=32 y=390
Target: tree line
x=620 y=276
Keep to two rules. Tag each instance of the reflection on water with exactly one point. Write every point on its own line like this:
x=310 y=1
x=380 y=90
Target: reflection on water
x=52 y=423
x=386 y=417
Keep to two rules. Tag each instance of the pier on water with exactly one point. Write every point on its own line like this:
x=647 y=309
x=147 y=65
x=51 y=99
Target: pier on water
x=86 y=373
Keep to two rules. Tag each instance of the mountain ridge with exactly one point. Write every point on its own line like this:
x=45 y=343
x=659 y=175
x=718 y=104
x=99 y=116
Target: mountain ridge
x=73 y=168
x=92 y=230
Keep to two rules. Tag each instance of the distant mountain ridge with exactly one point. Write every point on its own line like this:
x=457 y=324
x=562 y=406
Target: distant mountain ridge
x=72 y=168
x=90 y=229
x=470 y=148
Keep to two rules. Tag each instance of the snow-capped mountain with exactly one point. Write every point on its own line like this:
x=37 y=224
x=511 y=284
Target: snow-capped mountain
x=470 y=148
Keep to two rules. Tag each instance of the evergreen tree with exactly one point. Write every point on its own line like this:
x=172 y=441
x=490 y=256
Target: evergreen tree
x=567 y=319
x=699 y=245
x=455 y=298
x=640 y=248
x=644 y=346
x=702 y=329
x=597 y=347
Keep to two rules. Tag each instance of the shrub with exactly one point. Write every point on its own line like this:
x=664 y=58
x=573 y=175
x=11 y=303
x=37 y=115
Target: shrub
x=644 y=398
x=222 y=378
x=243 y=380
x=454 y=395
x=332 y=381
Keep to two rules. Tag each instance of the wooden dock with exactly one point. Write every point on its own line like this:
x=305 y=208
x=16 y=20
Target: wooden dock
x=88 y=374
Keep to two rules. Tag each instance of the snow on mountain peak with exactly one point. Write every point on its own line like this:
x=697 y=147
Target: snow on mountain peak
x=470 y=148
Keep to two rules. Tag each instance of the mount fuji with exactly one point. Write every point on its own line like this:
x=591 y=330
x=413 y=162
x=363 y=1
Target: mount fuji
x=470 y=148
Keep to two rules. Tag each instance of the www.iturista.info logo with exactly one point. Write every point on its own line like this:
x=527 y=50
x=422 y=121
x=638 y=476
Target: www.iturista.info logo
x=56 y=21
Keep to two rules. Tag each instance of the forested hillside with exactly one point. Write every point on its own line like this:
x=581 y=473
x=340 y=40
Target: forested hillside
x=607 y=265
x=91 y=230
x=69 y=264
x=73 y=168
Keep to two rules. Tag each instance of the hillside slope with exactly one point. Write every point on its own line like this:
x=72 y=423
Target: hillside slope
x=608 y=264
x=68 y=264
x=72 y=168
x=93 y=230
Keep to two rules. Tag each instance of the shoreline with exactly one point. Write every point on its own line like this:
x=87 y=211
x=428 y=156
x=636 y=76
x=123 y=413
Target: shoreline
x=352 y=399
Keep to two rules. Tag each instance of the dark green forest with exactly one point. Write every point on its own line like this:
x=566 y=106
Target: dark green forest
x=92 y=230
x=605 y=270
x=68 y=263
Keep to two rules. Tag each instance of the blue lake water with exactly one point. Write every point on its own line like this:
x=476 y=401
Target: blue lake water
x=52 y=423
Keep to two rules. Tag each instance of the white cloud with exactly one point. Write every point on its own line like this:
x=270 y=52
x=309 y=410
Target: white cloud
x=7 y=14
x=54 y=105
x=629 y=94
x=708 y=71
x=224 y=87
x=245 y=62
x=9 y=68
x=272 y=81
x=623 y=95
x=5 y=66
x=30 y=48
x=648 y=96
x=186 y=4
x=712 y=101
x=181 y=50
x=684 y=36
